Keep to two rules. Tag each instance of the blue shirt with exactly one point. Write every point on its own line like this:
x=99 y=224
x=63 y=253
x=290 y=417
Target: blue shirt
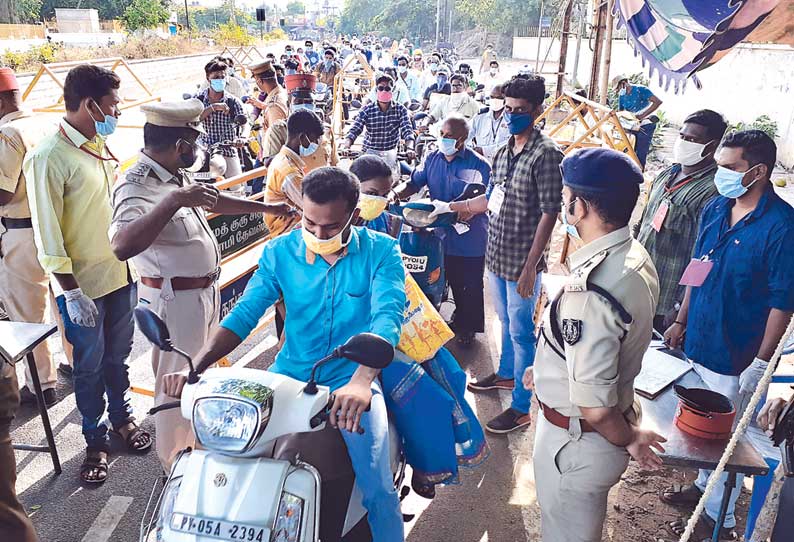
x=638 y=99
x=326 y=304
x=752 y=273
x=447 y=181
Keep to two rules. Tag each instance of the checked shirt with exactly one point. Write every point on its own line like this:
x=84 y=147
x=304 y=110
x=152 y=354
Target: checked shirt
x=532 y=183
x=384 y=129
x=220 y=126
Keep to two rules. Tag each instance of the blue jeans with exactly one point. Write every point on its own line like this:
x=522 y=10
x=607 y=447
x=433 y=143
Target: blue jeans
x=369 y=454
x=643 y=140
x=100 y=364
x=518 y=333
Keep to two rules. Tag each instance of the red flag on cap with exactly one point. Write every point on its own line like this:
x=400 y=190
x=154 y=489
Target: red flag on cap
x=8 y=81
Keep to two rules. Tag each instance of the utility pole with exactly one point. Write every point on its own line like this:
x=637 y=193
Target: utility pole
x=540 y=23
x=438 y=19
x=582 y=12
x=566 y=27
x=600 y=14
x=607 y=54
x=187 y=19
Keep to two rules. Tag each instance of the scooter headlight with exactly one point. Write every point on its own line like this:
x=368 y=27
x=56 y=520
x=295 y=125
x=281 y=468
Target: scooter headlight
x=288 y=521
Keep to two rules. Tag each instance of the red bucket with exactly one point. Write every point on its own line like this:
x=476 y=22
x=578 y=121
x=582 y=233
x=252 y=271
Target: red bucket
x=704 y=413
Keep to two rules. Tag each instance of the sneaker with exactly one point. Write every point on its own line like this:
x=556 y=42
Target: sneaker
x=65 y=370
x=509 y=420
x=492 y=382
x=27 y=397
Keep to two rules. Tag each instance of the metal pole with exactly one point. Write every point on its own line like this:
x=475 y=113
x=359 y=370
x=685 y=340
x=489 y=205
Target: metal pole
x=566 y=27
x=187 y=18
x=582 y=21
x=438 y=19
x=540 y=22
x=598 y=42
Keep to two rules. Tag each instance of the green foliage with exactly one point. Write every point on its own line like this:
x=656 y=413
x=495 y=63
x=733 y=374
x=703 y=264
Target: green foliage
x=29 y=11
x=142 y=14
x=395 y=18
x=30 y=59
x=232 y=34
x=204 y=19
x=277 y=34
x=763 y=123
x=502 y=16
x=108 y=9
x=295 y=8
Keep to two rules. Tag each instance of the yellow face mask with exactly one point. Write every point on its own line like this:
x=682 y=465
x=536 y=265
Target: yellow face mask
x=324 y=247
x=371 y=206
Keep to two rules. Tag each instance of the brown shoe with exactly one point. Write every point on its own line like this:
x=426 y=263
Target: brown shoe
x=508 y=421
x=492 y=382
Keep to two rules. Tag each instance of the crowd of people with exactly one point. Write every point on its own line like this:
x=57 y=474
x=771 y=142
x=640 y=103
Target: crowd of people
x=712 y=237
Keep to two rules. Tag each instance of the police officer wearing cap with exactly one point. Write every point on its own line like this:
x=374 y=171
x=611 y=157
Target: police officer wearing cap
x=159 y=223
x=274 y=108
x=593 y=339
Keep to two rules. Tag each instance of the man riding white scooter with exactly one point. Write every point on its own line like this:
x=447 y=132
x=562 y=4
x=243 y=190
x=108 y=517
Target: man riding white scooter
x=337 y=280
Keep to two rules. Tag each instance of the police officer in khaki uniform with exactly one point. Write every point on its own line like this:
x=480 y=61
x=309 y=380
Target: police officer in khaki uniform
x=274 y=108
x=159 y=222
x=594 y=336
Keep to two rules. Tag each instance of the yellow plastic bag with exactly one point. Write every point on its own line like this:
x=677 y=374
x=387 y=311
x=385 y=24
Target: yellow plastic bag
x=424 y=331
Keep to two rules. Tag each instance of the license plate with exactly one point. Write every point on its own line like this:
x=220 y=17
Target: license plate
x=204 y=176
x=415 y=264
x=222 y=530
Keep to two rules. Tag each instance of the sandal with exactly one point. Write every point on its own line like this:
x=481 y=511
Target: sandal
x=422 y=487
x=97 y=462
x=137 y=440
x=680 y=495
x=703 y=529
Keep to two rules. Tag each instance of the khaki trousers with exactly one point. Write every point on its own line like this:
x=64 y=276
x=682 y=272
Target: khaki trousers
x=190 y=316
x=574 y=472
x=24 y=289
x=14 y=523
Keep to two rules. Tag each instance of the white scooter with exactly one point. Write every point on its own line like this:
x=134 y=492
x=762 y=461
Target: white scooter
x=266 y=468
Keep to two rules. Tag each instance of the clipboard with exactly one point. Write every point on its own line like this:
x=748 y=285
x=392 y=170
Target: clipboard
x=659 y=370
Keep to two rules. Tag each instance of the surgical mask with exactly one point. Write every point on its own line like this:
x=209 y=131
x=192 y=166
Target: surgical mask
x=496 y=104
x=570 y=229
x=441 y=80
x=371 y=206
x=308 y=151
x=385 y=95
x=729 y=182
x=324 y=247
x=433 y=66
x=687 y=153
x=622 y=92
x=106 y=127
x=307 y=107
x=492 y=71
x=218 y=85
x=328 y=64
x=309 y=49
x=448 y=146
x=518 y=122
x=402 y=69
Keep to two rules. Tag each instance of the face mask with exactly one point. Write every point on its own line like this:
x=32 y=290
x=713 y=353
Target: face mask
x=385 y=96
x=729 y=182
x=622 y=92
x=309 y=49
x=307 y=107
x=497 y=104
x=188 y=158
x=687 y=153
x=448 y=146
x=441 y=80
x=106 y=127
x=328 y=63
x=433 y=66
x=492 y=71
x=371 y=206
x=308 y=151
x=402 y=69
x=518 y=122
x=570 y=229
x=324 y=247
x=218 y=84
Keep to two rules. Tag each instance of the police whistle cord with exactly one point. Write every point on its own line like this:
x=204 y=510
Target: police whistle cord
x=741 y=427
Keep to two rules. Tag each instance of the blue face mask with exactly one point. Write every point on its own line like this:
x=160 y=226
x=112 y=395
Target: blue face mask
x=729 y=182
x=517 y=122
x=106 y=127
x=328 y=64
x=622 y=92
x=447 y=145
x=441 y=80
x=308 y=151
x=218 y=85
x=570 y=229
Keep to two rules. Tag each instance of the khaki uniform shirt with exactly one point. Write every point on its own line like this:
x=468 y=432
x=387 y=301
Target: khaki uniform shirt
x=276 y=137
x=603 y=353
x=186 y=247
x=275 y=107
x=19 y=132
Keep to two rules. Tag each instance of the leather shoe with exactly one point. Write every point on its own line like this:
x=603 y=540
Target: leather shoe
x=27 y=397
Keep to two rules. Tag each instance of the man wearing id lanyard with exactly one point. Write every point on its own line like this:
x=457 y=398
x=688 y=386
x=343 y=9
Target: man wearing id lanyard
x=489 y=130
x=740 y=292
x=669 y=224
x=69 y=178
x=523 y=205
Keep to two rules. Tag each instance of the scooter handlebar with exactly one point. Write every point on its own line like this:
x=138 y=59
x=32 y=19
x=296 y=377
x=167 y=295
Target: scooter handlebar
x=164 y=406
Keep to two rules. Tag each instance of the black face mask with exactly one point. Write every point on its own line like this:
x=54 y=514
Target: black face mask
x=190 y=158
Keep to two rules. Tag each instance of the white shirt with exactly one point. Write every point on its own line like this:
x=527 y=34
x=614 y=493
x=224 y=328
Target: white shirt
x=488 y=133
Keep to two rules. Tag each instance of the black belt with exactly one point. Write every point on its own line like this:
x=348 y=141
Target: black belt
x=16 y=223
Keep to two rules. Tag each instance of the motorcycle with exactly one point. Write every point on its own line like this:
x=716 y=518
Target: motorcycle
x=266 y=467
x=323 y=99
x=211 y=164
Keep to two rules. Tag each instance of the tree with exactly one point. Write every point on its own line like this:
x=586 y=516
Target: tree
x=20 y=11
x=295 y=8
x=142 y=14
x=108 y=9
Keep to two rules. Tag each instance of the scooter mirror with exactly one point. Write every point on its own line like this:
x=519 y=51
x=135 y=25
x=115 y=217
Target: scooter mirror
x=368 y=349
x=356 y=104
x=240 y=120
x=415 y=106
x=153 y=328
x=186 y=96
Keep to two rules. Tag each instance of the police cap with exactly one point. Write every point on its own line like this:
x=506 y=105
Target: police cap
x=599 y=170
x=263 y=69
x=184 y=114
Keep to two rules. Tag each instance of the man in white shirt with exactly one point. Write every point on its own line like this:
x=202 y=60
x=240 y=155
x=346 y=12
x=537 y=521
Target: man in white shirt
x=488 y=129
x=459 y=102
x=492 y=77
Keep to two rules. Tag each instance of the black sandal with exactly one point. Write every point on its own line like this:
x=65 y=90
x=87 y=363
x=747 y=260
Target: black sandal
x=132 y=440
x=703 y=529
x=422 y=487
x=94 y=461
x=680 y=495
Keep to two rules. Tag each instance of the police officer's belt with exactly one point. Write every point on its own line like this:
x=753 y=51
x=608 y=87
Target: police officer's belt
x=183 y=283
x=16 y=223
x=562 y=421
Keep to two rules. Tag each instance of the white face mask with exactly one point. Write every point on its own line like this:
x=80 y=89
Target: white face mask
x=496 y=104
x=687 y=153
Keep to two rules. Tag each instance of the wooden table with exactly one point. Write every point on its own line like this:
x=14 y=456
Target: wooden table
x=18 y=339
x=685 y=450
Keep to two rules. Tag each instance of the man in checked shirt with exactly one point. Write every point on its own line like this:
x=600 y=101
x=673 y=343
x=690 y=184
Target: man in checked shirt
x=386 y=122
x=523 y=203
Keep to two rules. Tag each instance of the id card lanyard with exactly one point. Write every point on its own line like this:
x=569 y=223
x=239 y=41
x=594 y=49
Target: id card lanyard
x=103 y=159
